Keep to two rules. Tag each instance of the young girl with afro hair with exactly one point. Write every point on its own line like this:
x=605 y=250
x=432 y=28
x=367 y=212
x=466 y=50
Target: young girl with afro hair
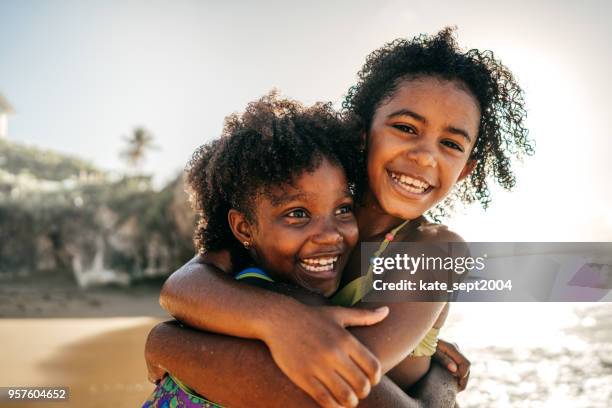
x=276 y=191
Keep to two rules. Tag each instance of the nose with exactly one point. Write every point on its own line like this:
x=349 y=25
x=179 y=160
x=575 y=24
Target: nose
x=422 y=155
x=327 y=233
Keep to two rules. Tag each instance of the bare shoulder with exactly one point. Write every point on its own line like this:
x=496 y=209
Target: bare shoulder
x=424 y=230
x=220 y=259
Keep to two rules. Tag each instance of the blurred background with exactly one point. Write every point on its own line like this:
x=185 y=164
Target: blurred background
x=102 y=103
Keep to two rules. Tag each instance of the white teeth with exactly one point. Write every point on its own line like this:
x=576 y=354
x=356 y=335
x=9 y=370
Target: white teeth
x=318 y=264
x=320 y=261
x=317 y=268
x=411 y=184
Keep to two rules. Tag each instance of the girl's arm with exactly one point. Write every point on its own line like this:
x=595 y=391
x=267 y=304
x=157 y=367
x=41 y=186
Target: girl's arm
x=407 y=323
x=412 y=368
x=204 y=297
x=240 y=372
x=448 y=355
x=394 y=338
x=309 y=344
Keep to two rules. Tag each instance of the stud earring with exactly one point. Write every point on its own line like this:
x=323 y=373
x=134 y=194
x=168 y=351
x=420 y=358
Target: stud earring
x=246 y=244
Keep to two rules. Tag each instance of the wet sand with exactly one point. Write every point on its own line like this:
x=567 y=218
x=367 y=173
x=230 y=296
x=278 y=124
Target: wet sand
x=92 y=341
x=59 y=296
x=100 y=360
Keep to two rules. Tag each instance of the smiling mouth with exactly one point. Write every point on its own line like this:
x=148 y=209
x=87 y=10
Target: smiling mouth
x=319 y=264
x=410 y=184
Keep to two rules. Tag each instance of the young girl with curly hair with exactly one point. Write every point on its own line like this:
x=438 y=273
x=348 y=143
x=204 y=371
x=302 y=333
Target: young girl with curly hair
x=436 y=124
x=276 y=190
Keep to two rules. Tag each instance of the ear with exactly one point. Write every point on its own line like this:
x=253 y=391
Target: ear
x=240 y=226
x=467 y=169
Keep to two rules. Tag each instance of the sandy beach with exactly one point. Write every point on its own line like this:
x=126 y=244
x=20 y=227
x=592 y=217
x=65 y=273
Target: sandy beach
x=99 y=359
x=523 y=354
x=92 y=341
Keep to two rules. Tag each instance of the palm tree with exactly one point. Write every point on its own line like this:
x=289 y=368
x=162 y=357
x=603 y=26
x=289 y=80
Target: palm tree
x=137 y=146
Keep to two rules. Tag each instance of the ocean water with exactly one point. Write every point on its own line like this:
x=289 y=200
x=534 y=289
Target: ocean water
x=535 y=354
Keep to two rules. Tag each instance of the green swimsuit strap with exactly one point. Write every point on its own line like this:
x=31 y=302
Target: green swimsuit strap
x=355 y=290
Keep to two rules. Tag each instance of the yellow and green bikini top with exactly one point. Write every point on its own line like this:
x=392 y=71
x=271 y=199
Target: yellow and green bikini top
x=356 y=290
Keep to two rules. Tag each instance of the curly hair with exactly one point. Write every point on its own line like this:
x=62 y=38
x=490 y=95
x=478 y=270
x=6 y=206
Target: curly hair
x=502 y=132
x=274 y=141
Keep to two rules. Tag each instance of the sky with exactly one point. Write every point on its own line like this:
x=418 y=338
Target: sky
x=81 y=75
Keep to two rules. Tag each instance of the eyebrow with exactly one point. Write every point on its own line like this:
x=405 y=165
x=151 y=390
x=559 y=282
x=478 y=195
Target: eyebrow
x=279 y=200
x=407 y=112
x=459 y=131
x=422 y=119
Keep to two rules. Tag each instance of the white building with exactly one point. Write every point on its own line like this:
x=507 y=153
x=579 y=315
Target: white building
x=5 y=110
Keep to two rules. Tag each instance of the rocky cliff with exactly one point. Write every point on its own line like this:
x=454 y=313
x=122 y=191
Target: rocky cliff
x=62 y=215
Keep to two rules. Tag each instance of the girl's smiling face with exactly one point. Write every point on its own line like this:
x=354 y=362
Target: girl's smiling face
x=304 y=232
x=419 y=145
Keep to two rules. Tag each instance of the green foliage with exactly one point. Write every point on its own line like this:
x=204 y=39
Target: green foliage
x=44 y=164
x=138 y=143
x=17 y=242
x=49 y=211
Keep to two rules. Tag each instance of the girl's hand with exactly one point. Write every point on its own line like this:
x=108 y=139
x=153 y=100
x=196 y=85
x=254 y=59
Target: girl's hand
x=449 y=356
x=312 y=347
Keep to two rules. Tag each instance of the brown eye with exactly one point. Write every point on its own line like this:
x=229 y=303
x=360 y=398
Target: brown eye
x=452 y=145
x=345 y=209
x=298 y=213
x=405 y=128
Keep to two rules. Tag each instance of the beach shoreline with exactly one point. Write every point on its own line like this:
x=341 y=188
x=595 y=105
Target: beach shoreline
x=58 y=295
